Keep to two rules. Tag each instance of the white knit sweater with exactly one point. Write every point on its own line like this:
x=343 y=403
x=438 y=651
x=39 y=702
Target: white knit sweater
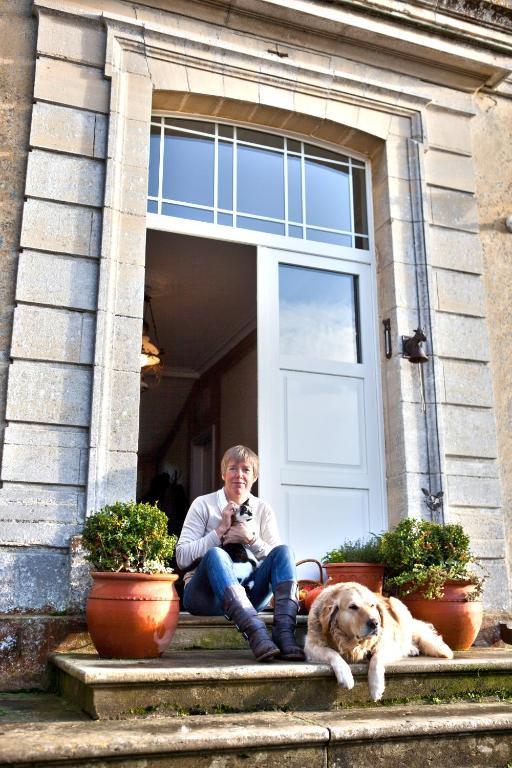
x=204 y=516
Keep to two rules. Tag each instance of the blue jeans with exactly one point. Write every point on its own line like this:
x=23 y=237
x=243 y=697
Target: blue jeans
x=204 y=592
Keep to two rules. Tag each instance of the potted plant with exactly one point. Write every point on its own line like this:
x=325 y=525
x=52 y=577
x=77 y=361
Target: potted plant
x=429 y=566
x=359 y=561
x=132 y=609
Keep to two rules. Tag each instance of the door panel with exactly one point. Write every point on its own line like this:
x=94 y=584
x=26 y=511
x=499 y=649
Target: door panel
x=319 y=412
x=319 y=422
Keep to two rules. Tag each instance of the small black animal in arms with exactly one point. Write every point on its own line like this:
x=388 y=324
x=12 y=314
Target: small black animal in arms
x=237 y=552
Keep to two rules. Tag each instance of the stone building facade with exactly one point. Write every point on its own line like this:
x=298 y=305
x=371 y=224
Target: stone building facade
x=421 y=90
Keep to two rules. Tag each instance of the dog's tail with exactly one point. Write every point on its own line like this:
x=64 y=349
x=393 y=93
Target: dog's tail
x=429 y=641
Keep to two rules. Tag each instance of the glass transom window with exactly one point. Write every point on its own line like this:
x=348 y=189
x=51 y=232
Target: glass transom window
x=237 y=177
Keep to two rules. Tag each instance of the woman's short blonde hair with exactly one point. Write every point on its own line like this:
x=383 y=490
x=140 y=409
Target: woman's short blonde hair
x=239 y=453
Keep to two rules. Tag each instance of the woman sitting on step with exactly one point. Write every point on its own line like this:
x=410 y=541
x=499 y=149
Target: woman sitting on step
x=229 y=547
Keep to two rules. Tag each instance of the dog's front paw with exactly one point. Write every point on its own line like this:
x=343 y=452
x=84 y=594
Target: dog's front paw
x=376 y=684
x=414 y=650
x=344 y=677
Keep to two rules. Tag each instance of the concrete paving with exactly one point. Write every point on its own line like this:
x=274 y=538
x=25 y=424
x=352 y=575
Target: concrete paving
x=270 y=738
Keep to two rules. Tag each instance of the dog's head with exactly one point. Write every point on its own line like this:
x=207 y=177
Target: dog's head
x=352 y=609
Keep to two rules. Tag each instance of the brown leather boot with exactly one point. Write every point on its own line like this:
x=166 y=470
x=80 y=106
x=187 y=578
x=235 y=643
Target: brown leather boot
x=286 y=606
x=238 y=608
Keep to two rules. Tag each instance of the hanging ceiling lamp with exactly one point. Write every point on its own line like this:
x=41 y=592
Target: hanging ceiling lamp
x=151 y=352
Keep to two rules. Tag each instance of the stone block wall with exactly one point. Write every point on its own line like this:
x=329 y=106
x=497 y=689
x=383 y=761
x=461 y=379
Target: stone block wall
x=57 y=235
x=492 y=148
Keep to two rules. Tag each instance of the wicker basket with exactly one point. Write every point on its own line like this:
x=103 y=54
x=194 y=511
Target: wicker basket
x=309 y=583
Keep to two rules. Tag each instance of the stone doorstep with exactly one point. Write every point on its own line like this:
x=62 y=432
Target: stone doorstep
x=210 y=632
x=210 y=681
x=479 y=735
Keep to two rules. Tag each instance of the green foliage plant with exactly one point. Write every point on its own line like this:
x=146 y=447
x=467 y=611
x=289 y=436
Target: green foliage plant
x=129 y=537
x=358 y=551
x=421 y=555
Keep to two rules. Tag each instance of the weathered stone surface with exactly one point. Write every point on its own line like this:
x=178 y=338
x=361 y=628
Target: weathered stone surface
x=452 y=249
x=63 y=177
x=469 y=431
x=126 y=342
x=121 y=476
x=261 y=739
x=130 y=290
x=57 y=505
x=135 y=139
x=49 y=394
x=71 y=38
x=397 y=241
x=467 y=383
x=33 y=579
x=124 y=416
x=392 y=199
x=493 y=163
x=470 y=467
x=495 y=598
x=460 y=293
x=471 y=519
x=448 y=130
x=461 y=337
x=444 y=169
x=74 y=85
x=209 y=680
x=44 y=454
x=32 y=637
x=465 y=491
x=47 y=278
x=61 y=228
x=135 y=103
x=131 y=192
x=126 y=235
x=42 y=333
x=68 y=130
x=80 y=581
x=455 y=210
x=61 y=466
x=404 y=495
x=41 y=533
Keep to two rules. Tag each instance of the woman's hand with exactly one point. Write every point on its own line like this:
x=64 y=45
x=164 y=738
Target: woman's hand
x=239 y=533
x=227 y=517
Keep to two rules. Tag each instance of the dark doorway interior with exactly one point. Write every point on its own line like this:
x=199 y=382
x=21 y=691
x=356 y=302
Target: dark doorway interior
x=203 y=297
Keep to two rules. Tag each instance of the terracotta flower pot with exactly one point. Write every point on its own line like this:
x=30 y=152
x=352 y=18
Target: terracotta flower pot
x=132 y=615
x=457 y=619
x=371 y=575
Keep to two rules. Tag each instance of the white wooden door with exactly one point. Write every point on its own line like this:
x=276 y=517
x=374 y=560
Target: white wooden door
x=319 y=424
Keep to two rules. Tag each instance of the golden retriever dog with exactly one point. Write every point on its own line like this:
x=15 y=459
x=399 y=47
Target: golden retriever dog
x=348 y=623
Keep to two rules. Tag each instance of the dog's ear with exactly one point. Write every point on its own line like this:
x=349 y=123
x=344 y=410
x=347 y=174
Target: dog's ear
x=383 y=609
x=327 y=617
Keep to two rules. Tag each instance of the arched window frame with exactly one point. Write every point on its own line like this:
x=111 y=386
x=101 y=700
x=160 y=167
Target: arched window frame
x=241 y=138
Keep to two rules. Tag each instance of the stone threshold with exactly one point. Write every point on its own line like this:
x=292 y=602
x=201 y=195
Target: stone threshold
x=208 y=666
x=198 y=681
x=268 y=738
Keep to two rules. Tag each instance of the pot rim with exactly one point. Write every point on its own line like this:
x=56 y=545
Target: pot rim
x=362 y=563
x=134 y=576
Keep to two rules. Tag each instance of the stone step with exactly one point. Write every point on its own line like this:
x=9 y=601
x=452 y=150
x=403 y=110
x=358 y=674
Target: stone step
x=216 y=632
x=452 y=736
x=212 y=632
x=197 y=681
